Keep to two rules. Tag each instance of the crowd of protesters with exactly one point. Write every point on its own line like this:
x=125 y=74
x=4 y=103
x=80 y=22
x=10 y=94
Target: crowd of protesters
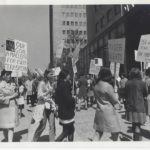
x=53 y=97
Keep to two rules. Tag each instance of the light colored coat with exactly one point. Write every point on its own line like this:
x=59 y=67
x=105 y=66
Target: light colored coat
x=106 y=119
x=8 y=108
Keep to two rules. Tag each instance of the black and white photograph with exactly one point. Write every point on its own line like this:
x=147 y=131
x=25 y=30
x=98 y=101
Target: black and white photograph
x=75 y=73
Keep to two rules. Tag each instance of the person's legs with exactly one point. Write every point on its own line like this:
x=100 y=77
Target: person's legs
x=115 y=136
x=40 y=128
x=5 y=132
x=63 y=134
x=71 y=132
x=137 y=132
x=10 y=134
x=51 y=119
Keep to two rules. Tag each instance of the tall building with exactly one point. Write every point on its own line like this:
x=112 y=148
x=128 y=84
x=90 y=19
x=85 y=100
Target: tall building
x=106 y=22
x=70 y=25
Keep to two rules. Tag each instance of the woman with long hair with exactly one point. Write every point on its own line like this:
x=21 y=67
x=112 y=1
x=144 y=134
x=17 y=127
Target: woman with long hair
x=66 y=106
x=106 y=119
x=135 y=91
x=46 y=108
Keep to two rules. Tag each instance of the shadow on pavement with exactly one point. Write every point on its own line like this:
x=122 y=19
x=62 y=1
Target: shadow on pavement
x=18 y=135
x=125 y=137
x=44 y=138
x=145 y=133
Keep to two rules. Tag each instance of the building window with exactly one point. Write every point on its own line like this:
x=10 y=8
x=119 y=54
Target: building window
x=68 y=41
x=72 y=23
x=68 y=31
x=76 y=14
x=76 y=23
x=67 y=23
x=84 y=32
x=80 y=14
x=117 y=9
x=97 y=27
x=67 y=14
x=80 y=32
x=63 y=23
x=109 y=15
x=63 y=31
x=84 y=14
x=72 y=14
x=80 y=23
x=102 y=22
x=84 y=6
x=72 y=32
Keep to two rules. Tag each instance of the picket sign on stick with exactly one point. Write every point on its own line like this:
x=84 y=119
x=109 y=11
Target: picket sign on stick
x=116 y=48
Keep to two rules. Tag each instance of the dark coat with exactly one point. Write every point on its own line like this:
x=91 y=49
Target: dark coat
x=82 y=87
x=135 y=91
x=65 y=101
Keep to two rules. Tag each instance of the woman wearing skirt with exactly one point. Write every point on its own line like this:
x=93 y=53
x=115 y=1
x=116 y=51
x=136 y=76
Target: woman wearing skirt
x=135 y=92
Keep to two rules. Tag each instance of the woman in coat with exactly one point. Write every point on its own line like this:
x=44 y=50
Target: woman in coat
x=135 y=91
x=66 y=106
x=9 y=118
x=106 y=119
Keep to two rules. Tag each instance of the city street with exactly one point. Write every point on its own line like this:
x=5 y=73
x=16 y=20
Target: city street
x=83 y=127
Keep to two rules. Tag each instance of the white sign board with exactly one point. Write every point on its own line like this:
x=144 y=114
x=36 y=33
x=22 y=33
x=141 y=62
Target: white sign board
x=60 y=49
x=56 y=71
x=17 y=60
x=144 y=49
x=93 y=68
x=116 y=48
x=74 y=69
x=75 y=57
x=112 y=68
x=16 y=74
x=98 y=61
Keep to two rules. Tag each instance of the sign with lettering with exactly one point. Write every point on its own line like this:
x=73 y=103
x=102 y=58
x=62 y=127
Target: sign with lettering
x=143 y=54
x=116 y=48
x=17 y=60
x=98 y=61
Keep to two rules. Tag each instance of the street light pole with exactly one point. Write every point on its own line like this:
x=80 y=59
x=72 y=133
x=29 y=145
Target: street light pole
x=51 y=34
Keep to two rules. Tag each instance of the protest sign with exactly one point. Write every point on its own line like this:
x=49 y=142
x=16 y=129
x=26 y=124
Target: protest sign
x=116 y=48
x=16 y=74
x=93 y=68
x=112 y=68
x=143 y=54
x=98 y=61
x=56 y=71
x=75 y=57
x=74 y=69
x=17 y=60
x=60 y=49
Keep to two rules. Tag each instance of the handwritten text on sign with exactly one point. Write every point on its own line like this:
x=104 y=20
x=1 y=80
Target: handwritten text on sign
x=116 y=49
x=143 y=54
x=17 y=61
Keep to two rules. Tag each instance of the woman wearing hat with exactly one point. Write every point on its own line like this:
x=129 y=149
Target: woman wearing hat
x=8 y=107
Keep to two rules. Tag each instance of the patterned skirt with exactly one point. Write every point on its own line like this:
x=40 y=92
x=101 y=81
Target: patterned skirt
x=136 y=117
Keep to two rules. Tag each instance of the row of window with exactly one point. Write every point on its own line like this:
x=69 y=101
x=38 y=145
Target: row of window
x=72 y=23
x=73 y=32
x=112 y=12
x=72 y=41
x=73 y=14
x=74 y=6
